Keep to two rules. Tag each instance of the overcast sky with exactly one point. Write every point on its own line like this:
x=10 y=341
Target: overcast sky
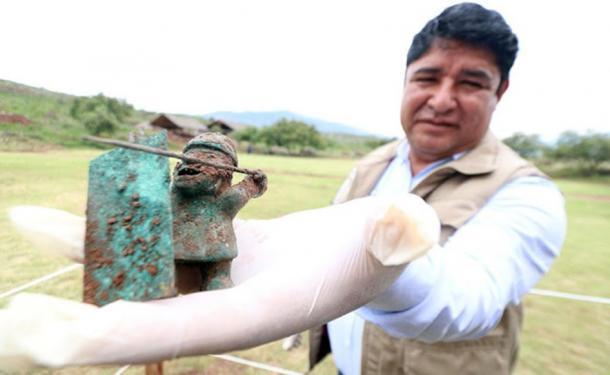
x=337 y=60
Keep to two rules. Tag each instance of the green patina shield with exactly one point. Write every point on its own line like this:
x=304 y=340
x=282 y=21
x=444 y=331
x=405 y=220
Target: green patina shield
x=128 y=244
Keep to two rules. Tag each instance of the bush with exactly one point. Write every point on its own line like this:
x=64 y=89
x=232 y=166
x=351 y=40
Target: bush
x=249 y=134
x=295 y=136
x=99 y=122
x=587 y=153
x=100 y=114
x=528 y=146
x=278 y=150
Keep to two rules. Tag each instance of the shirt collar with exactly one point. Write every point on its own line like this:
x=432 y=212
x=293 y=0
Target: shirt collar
x=402 y=154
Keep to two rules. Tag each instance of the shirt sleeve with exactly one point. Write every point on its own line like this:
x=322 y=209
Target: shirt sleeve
x=459 y=291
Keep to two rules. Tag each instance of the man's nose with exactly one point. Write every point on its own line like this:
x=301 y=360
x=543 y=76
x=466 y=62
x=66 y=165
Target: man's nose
x=443 y=99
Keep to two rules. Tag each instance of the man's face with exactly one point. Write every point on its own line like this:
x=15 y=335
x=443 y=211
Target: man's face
x=201 y=179
x=449 y=96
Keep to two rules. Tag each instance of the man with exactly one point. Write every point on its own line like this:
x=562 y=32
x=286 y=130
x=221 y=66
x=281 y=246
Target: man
x=456 y=310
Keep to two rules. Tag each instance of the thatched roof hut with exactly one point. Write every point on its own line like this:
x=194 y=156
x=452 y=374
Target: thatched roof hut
x=224 y=126
x=186 y=127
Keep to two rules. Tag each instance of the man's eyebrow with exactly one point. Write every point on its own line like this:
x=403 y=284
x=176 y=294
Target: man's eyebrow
x=427 y=71
x=479 y=74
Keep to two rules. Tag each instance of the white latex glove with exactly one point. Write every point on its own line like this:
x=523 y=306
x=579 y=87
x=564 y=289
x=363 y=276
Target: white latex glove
x=54 y=231
x=292 y=273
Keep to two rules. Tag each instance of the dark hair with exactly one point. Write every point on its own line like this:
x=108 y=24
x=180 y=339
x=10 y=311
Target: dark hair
x=474 y=25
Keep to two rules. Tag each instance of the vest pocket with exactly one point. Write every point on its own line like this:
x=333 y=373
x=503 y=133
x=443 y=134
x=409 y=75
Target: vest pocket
x=484 y=356
x=386 y=355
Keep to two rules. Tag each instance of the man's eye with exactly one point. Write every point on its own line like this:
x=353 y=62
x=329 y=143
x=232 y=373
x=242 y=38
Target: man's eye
x=473 y=84
x=425 y=79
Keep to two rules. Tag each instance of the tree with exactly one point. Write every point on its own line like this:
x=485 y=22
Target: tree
x=99 y=121
x=527 y=146
x=248 y=134
x=296 y=136
x=589 y=150
x=100 y=114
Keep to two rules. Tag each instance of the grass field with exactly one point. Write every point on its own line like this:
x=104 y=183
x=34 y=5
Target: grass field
x=559 y=337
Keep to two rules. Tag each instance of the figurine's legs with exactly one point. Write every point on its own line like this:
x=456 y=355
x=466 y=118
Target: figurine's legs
x=216 y=275
x=188 y=277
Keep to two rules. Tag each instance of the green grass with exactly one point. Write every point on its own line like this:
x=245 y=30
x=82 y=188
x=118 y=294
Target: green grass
x=565 y=337
x=559 y=337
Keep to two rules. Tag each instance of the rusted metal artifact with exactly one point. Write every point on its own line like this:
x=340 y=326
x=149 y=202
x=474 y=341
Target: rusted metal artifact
x=204 y=203
x=145 y=239
x=128 y=244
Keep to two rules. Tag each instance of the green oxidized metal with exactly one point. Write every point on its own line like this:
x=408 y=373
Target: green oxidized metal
x=204 y=204
x=128 y=245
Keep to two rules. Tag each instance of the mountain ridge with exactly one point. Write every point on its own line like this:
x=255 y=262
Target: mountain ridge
x=266 y=118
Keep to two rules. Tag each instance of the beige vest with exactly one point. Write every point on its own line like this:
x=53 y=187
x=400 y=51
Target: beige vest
x=456 y=190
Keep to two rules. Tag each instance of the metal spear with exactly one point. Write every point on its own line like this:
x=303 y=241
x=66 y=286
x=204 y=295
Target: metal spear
x=158 y=151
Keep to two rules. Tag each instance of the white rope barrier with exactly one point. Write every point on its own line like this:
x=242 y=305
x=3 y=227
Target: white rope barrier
x=570 y=296
x=241 y=361
x=258 y=365
x=40 y=280
x=122 y=370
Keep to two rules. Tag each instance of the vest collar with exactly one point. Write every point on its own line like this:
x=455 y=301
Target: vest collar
x=478 y=161
x=482 y=159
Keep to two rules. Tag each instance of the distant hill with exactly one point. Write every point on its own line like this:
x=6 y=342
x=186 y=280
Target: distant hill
x=34 y=119
x=15 y=88
x=261 y=119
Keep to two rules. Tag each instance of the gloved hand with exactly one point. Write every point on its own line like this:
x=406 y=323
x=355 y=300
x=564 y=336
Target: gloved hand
x=292 y=273
x=51 y=230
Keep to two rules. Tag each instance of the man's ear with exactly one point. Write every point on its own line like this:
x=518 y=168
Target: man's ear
x=502 y=89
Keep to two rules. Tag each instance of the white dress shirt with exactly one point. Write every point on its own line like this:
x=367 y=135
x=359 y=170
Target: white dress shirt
x=460 y=290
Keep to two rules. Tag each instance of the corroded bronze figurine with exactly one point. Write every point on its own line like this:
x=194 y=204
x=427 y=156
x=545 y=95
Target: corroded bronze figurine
x=204 y=204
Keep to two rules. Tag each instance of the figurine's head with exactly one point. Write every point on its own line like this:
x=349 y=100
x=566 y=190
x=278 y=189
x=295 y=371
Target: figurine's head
x=194 y=178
